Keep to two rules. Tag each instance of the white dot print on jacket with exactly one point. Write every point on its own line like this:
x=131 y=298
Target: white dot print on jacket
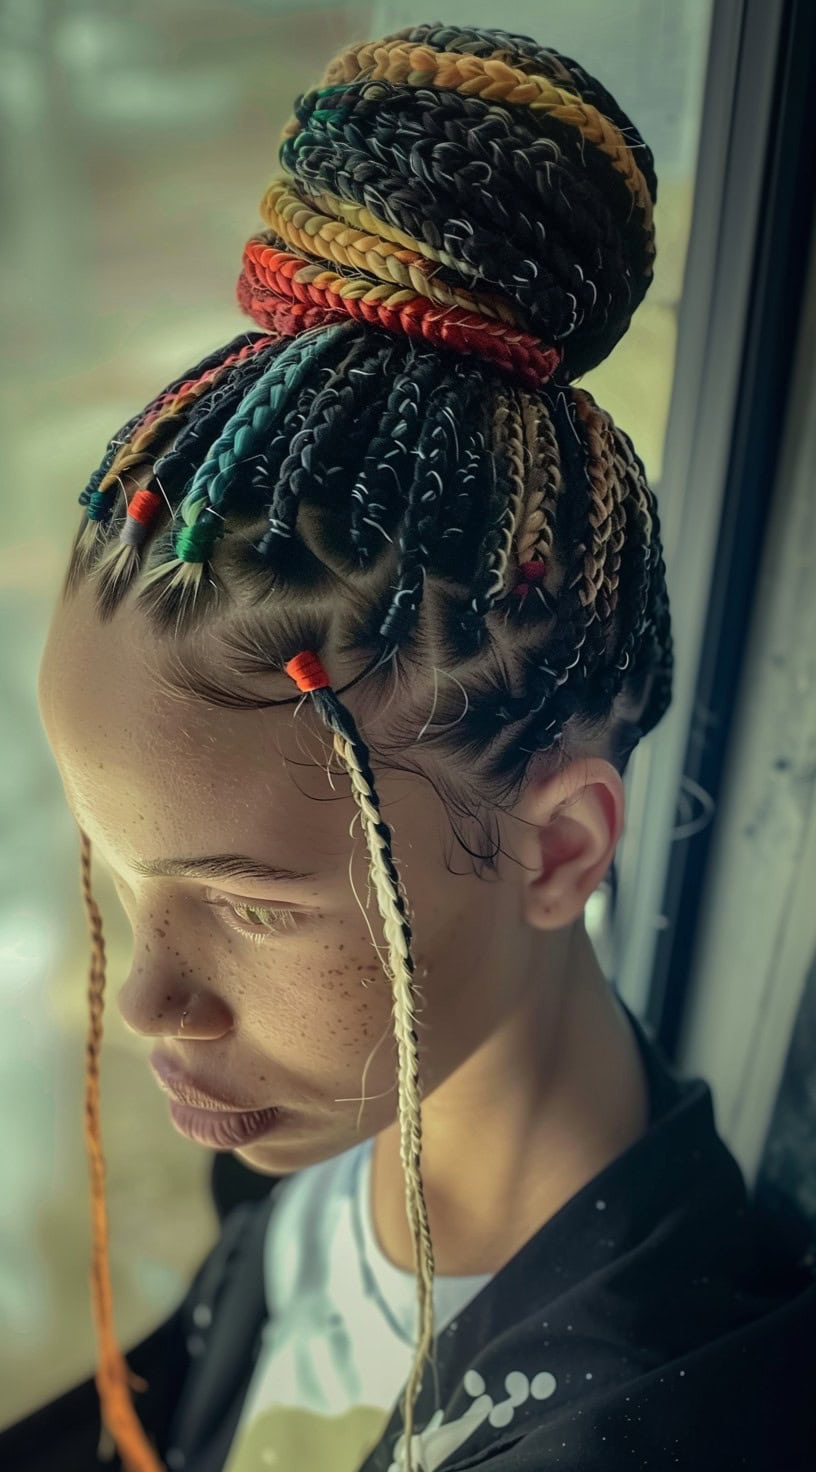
x=436 y=1442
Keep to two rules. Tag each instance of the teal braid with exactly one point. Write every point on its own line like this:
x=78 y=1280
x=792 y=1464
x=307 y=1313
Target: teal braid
x=246 y=432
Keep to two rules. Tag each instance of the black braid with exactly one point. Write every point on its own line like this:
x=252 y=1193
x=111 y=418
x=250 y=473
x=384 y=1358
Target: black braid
x=330 y=414
x=340 y=719
x=460 y=153
x=525 y=54
x=461 y=515
x=638 y=555
x=658 y=653
x=434 y=462
x=208 y=416
x=338 y=466
x=256 y=479
x=498 y=494
x=377 y=495
x=594 y=651
x=126 y=431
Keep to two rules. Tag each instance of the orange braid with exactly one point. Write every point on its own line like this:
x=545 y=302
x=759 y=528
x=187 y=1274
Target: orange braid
x=335 y=240
x=269 y=275
x=198 y=385
x=114 y=1378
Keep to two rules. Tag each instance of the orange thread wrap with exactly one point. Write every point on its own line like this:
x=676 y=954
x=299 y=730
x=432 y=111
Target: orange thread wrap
x=307 y=671
x=144 y=506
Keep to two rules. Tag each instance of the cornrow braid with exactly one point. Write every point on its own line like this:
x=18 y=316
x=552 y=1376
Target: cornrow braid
x=400 y=467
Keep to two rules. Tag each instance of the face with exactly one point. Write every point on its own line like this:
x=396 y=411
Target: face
x=289 y=1007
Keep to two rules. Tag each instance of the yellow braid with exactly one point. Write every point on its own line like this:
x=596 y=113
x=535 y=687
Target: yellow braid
x=492 y=80
x=335 y=240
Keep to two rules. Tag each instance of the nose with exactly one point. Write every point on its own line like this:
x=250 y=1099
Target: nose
x=150 y=1010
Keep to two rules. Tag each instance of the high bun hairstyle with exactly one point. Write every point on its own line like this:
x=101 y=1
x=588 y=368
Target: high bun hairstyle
x=398 y=466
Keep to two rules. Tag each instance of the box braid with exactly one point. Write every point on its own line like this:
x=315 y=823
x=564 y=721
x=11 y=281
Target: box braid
x=123 y=435
x=462 y=226
x=377 y=492
x=208 y=413
x=342 y=409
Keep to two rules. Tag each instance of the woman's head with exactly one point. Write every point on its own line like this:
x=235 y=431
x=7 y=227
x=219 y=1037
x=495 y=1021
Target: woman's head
x=398 y=476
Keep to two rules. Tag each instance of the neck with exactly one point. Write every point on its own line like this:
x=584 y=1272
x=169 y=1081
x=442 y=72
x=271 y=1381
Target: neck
x=545 y=1103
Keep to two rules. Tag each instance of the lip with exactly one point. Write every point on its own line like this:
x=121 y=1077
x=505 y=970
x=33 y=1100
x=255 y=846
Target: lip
x=223 y=1131
x=174 y=1081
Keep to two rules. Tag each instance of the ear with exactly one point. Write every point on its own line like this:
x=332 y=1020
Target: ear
x=571 y=823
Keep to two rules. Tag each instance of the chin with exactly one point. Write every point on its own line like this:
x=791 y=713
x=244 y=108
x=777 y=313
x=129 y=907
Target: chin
x=271 y=1157
x=266 y=1159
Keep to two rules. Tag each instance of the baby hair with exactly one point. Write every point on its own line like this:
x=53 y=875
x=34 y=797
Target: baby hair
x=399 y=466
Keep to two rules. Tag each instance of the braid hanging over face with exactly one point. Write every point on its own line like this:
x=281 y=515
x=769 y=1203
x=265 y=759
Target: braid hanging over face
x=462 y=225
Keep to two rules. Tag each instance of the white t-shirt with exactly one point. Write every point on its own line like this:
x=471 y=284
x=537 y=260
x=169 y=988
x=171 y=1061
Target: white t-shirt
x=339 y=1342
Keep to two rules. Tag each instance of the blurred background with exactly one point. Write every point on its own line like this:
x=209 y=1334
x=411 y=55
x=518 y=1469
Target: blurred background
x=136 y=142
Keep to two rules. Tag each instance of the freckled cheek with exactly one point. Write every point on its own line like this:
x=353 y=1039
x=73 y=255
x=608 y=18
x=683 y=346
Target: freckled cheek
x=325 y=1001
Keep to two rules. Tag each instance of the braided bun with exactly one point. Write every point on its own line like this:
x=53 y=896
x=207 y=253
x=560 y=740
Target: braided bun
x=466 y=186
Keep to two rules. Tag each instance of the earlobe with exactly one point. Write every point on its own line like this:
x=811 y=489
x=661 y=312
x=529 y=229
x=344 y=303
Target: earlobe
x=574 y=819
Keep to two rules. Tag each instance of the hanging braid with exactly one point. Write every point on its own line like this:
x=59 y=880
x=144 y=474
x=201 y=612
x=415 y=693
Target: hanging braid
x=401 y=460
x=377 y=491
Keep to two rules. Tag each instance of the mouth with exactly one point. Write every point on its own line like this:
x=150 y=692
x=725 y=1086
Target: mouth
x=222 y=1131
x=184 y=1090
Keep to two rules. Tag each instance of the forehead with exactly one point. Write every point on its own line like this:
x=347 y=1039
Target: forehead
x=148 y=774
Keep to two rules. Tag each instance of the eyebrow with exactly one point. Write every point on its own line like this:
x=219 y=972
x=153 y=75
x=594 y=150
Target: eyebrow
x=219 y=866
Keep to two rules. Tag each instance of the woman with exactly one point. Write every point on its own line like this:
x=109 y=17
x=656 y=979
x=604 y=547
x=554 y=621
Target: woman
x=366 y=617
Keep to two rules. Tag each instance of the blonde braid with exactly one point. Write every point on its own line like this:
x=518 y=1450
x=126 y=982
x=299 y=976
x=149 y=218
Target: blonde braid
x=543 y=476
x=296 y=224
x=488 y=78
x=361 y=217
x=401 y=968
x=600 y=510
x=509 y=445
x=619 y=489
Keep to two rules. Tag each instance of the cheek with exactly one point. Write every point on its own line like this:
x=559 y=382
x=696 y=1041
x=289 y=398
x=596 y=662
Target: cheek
x=322 y=999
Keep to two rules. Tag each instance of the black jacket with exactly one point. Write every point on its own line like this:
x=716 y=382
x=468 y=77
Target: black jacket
x=677 y=1335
